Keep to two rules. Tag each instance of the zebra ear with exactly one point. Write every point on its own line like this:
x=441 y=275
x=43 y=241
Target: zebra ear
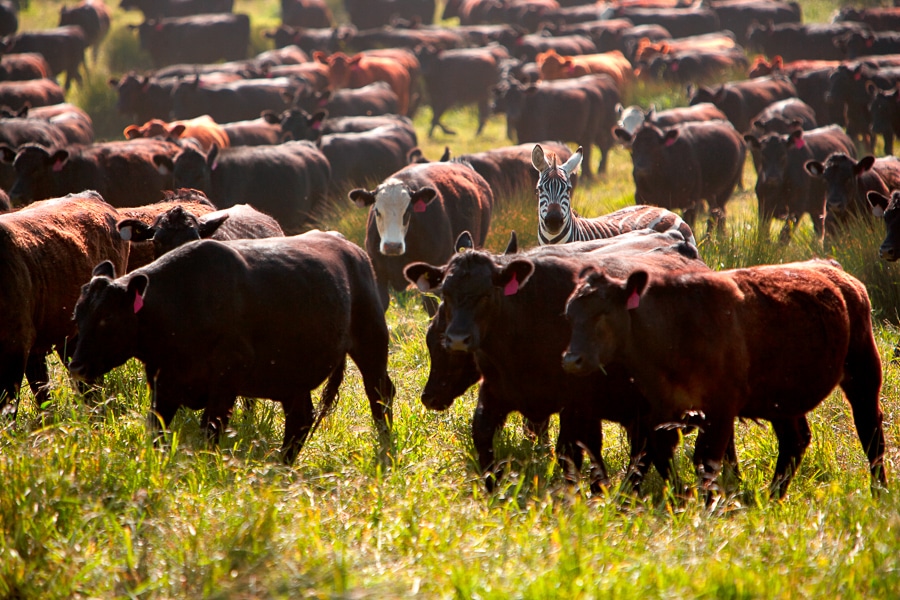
x=538 y=160
x=574 y=161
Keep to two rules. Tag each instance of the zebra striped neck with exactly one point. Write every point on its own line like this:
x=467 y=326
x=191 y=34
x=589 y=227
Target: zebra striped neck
x=563 y=237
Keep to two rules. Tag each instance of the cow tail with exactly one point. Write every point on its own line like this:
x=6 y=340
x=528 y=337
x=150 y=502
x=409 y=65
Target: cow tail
x=330 y=394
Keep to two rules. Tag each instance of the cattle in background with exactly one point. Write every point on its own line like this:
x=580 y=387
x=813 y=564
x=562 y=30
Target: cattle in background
x=605 y=34
x=876 y=18
x=359 y=70
x=784 y=189
x=862 y=44
x=17 y=131
x=369 y=100
x=366 y=157
x=679 y=22
x=742 y=100
x=75 y=124
x=848 y=181
x=203 y=129
x=527 y=47
x=558 y=223
x=695 y=67
x=507 y=312
x=297 y=124
x=408 y=36
x=237 y=302
x=196 y=39
x=555 y=66
x=708 y=42
x=460 y=77
x=885 y=110
x=24 y=65
x=678 y=167
x=287 y=181
x=783 y=115
x=62 y=47
x=738 y=15
x=48 y=249
x=9 y=17
x=253 y=132
x=417 y=213
x=178 y=226
x=795 y=41
x=888 y=207
x=33 y=92
x=850 y=90
x=156 y=9
x=369 y=14
x=5 y=204
x=630 y=118
x=142 y=98
x=236 y=101
x=629 y=39
x=122 y=172
x=92 y=16
x=777 y=340
x=580 y=110
x=311 y=40
x=141 y=253
x=306 y=13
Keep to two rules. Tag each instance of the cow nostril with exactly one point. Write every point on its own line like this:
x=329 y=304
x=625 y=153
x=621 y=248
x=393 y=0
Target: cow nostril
x=457 y=343
x=392 y=249
x=573 y=363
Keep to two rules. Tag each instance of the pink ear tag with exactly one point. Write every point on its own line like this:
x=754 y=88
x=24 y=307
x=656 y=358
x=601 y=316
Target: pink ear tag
x=316 y=126
x=799 y=143
x=512 y=287
x=138 y=301
x=214 y=166
x=634 y=300
x=670 y=141
x=857 y=76
x=419 y=206
x=57 y=166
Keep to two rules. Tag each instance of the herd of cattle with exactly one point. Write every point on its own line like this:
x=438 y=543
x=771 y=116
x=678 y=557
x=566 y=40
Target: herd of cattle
x=197 y=218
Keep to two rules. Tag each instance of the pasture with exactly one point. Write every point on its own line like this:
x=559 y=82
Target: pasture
x=91 y=508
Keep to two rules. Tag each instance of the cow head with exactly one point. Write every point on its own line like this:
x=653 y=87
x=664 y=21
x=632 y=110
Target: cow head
x=598 y=311
x=630 y=118
x=191 y=168
x=392 y=206
x=649 y=144
x=841 y=174
x=885 y=111
x=37 y=173
x=889 y=208
x=107 y=315
x=171 y=229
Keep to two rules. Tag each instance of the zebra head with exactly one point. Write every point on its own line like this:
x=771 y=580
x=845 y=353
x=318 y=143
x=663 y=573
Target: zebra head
x=554 y=193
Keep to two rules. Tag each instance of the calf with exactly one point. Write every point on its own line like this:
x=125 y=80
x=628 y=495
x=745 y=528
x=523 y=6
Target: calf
x=417 y=213
x=783 y=187
x=237 y=303
x=368 y=156
x=203 y=129
x=62 y=47
x=48 y=249
x=678 y=167
x=122 y=172
x=580 y=110
x=34 y=92
x=196 y=39
x=777 y=340
x=743 y=100
x=506 y=312
x=848 y=181
x=288 y=181
x=142 y=252
x=92 y=16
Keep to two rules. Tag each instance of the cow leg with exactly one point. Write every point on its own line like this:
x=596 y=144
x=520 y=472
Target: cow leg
x=794 y=437
x=12 y=369
x=649 y=447
x=709 y=451
x=383 y=295
x=436 y=122
x=586 y=162
x=298 y=419
x=38 y=377
x=581 y=434
x=889 y=143
x=484 y=112
x=217 y=414
x=369 y=353
x=486 y=422
x=862 y=385
x=689 y=216
x=539 y=432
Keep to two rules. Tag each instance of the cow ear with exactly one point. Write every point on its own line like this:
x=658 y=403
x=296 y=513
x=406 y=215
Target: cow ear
x=362 y=198
x=512 y=246
x=445 y=157
x=177 y=131
x=131 y=132
x=464 y=242
x=420 y=199
x=320 y=56
x=209 y=226
x=864 y=164
x=7 y=154
x=814 y=168
x=425 y=277
x=670 y=136
x=622 y=135
x=134 y=230
x=270 y=117
x=212 y=156
x=574 y=161
x=752 y=140
x=872 y=89
x=878 y=203
x=58 y=159
x=137 y=287
x=104 y=269
x=514 y=276
x=634 y=287
x=538 y=159
x=164 y=164
x=795 y=139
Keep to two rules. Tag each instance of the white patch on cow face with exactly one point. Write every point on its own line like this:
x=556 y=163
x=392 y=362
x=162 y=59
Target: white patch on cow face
x=631 y=118
x=392 y=214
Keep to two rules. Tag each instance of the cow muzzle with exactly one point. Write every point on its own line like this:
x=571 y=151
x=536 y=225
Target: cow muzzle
x=458 y=342
x=888 y=253
x=574 y=363
x=393 y=248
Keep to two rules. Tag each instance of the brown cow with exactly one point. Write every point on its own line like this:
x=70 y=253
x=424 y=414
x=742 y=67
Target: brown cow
x=776 y=341
x=556 y=66
x=359 y=70
x=32 y=92
x=48 y=249
x=23 y=66
x=203 y=129
x=647 y=49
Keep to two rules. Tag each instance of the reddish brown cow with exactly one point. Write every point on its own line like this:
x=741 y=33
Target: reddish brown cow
x=33 y=92
x=203 y=129
x=556 y=66
x=647 y=49
x=23 y=66
x=743 y=100
x=92 y=16
x=359 y=70
x=776 y=341
x=848 y=181
x=48 y=249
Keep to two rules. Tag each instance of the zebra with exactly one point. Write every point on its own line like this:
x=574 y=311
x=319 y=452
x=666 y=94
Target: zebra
x=559 y=224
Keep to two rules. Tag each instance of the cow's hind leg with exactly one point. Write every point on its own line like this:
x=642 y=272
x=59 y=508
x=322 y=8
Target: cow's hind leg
x=298 y=420
x=487 y=421
x=484 y=112
x=12 y=369
x=794 y=437
x=710 y=450
x=38 y=377
x=581 y=434
x=862 y=386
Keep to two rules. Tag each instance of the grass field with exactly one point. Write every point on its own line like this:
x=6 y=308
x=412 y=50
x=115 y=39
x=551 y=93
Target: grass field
x=90 y=508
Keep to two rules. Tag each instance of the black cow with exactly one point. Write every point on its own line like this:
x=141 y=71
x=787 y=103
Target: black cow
x=33 y=92
x=743 y=100
x=367 y=157
x=156 y=9
x=253 y=311
x=677 y=21
x=306 y=13
x=92 y=16
x=795 y=41
x=885 y=111
x=229 y=102
x=9 y=17
x=888 y=207
x=374 y=99
x=261 y=131
x=287 y=181
x=196 y=39
x=368 y=14
x=62 y=47
x=848 y=181
x=508 y=169
x=417 y=213
x=738 y=15
x=24 y=65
